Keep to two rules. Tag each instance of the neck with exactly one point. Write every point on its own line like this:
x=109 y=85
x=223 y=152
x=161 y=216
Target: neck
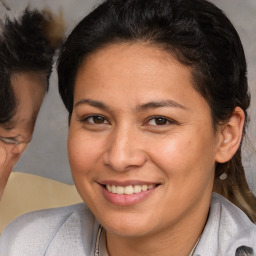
x=174 y=238
x=179 y=241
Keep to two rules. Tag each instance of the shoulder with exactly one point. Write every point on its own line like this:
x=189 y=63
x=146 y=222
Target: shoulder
x=231 y=214
x=228 y=230
x=37 y=231
x=50 y=217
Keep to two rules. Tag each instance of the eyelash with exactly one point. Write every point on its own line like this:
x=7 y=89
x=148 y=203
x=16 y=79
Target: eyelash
x=9 y=141
x=86 y=119
x=166 y=121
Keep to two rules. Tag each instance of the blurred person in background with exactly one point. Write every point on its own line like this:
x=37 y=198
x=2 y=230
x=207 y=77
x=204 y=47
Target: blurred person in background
x=27 y=47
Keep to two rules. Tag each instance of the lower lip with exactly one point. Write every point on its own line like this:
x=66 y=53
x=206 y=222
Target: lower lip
x=126 y=200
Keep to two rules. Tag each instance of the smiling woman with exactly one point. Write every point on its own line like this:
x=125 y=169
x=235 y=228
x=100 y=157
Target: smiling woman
x=26 y=52
x=157 y=97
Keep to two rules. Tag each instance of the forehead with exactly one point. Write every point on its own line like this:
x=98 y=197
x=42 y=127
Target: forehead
x=138 y=53
x=28 y=83
x=29 y=90
x=132 y=68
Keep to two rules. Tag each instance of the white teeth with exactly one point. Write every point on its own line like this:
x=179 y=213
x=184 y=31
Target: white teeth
x=128 y=190
x=144 y=187
x=120 y=190
x=113 y=189
x=137 y=188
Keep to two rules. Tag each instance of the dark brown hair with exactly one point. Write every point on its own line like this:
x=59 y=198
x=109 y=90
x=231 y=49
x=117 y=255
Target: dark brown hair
x=25 y=46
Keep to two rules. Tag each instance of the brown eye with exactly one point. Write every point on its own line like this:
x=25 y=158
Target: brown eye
x=95 y=119
x=98 y=119
x=161 y=121
x=158 y=121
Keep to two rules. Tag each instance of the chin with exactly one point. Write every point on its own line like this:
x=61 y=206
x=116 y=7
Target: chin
x=128 y=231
x=128 y=226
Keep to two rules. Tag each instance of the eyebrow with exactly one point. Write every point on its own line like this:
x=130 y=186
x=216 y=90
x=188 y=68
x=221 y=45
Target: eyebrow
x=93 y=103
x=12 y=123
x=140 y=108
x=159 y=104
x=8 y=125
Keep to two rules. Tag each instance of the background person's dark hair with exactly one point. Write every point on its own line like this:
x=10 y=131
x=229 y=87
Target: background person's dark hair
x=244 y=251
x=200 y=36
x=25 y=46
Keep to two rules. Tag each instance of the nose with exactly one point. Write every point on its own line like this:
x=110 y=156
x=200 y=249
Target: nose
x=124 y=150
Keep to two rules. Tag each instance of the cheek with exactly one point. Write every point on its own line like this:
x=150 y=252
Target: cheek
x=83 y=152
x=171 y=151
x=3 y=155
x=9 y=156
x=182 y=155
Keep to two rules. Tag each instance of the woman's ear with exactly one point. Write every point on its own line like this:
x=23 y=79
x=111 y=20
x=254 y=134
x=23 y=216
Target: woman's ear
x=230 y=136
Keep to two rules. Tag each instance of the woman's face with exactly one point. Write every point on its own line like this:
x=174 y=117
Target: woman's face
x=141 y=144
x=29 y=90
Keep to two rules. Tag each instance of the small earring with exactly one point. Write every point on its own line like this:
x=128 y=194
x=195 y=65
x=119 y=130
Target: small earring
x=223 y=176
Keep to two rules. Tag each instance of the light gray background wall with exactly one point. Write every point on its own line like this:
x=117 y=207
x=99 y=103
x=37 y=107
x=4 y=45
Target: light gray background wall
x=47 y=153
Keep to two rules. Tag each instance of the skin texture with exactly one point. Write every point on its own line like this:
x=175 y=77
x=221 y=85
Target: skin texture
x=29 y=89
x=115 y=138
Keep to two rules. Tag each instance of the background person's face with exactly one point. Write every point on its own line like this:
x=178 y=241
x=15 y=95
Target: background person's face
x=138 y=124
x=15 y=135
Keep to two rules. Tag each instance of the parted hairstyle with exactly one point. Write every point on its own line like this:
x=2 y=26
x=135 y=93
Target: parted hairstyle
x=26 y=45
x=198 y=35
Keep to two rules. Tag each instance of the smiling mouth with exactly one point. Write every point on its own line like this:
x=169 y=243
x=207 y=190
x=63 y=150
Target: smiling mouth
x=129 y=190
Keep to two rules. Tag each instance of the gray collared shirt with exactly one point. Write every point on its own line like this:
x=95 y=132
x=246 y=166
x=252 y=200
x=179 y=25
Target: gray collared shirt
x=72 y=230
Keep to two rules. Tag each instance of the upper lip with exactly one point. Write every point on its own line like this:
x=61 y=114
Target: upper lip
x=127 y=182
